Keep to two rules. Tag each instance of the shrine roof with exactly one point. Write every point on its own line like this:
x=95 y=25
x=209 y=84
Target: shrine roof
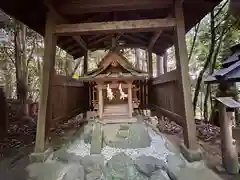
x=230 y=70
x=115 y=66
x=33 y=14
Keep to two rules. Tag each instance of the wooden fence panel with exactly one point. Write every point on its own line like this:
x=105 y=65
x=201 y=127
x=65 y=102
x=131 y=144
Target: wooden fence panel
x=67 y=97
x=165 y=96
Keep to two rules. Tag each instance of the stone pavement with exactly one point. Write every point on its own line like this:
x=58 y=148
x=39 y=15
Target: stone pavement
x=119 y=151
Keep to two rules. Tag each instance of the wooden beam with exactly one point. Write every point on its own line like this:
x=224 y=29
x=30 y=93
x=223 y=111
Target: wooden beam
x=69 y=48
x=115 y=26
x=66 y=42
x=44 y=113
x=100 y=40
x=154 y=39
x=78 y=39
x=96 y=6
x=134 y=39
x=185 y=101
x=126 y=46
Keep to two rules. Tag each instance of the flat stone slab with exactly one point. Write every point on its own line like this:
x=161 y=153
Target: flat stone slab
x=122 y=167
x=66 y=157
x=158 y=175
x=148 y=164
x=93 y=162
x=55 y=171
x=135 y=137
x=118 y=120
x=40 y=157
x=96 y=142
x=189 y=173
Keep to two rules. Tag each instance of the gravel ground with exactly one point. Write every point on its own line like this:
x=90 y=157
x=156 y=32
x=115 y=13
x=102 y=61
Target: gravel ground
x=157 y=148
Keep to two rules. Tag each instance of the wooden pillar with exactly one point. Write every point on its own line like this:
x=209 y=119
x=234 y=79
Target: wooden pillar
x=190 y=140
x=160 y=66
x=100 y=100
x=85 y=63
x=150 y=63
x=137 y=58
x=44 y=113
x=165 y=57
x=130 y=106
x=229 y=152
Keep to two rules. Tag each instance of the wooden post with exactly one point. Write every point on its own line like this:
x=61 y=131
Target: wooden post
x=100 y=100
x=85 y=63
x=50 y=41
x=130 y=107
x=160 y=67
x=190 y=140
x=165 y=57
x=87 y=95
x=150 y=66
x=229 y=153
x=137 y=58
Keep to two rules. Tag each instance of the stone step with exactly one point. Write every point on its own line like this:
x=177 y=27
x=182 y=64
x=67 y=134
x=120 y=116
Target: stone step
x=115 y=117
x=115 y=113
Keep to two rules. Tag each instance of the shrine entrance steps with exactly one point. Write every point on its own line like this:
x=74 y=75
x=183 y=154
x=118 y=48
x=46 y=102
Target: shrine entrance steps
x=116 y=110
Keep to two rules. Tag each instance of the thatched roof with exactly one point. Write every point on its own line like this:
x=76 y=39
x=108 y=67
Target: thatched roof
x=33 y=13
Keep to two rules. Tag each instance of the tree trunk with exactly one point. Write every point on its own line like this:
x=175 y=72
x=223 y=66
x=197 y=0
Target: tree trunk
x=194 y=41
x=211 y=51
x=21 y=64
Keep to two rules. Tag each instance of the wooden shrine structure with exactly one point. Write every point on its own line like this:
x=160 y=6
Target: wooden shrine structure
x=154 y=25
x=110 y=80
x=226 y=103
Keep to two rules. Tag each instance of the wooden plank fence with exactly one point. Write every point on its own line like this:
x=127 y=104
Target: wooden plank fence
x=68 y=98
x=165 y=97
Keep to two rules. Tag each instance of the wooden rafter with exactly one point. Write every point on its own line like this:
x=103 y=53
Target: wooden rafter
x=154 y=39
x=91 y=6
x=100 y=40
x=134 y=39
x=78 y=39
x=115 y=26
x=69 y=48
x=66 y=42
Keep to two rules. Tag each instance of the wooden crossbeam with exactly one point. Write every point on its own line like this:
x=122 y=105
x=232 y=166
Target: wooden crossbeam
x=64 y=43
x=154 y=39
x=91 y=6
x=127 y=46
x=78 y=39
x=100 y=40
x=136 y=40
x=115 y=26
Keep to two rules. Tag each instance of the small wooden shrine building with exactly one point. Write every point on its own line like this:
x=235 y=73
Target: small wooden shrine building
x=114 y=83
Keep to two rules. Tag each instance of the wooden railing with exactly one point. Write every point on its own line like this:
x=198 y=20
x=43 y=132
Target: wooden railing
x=68 y=98
x=165 y=96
